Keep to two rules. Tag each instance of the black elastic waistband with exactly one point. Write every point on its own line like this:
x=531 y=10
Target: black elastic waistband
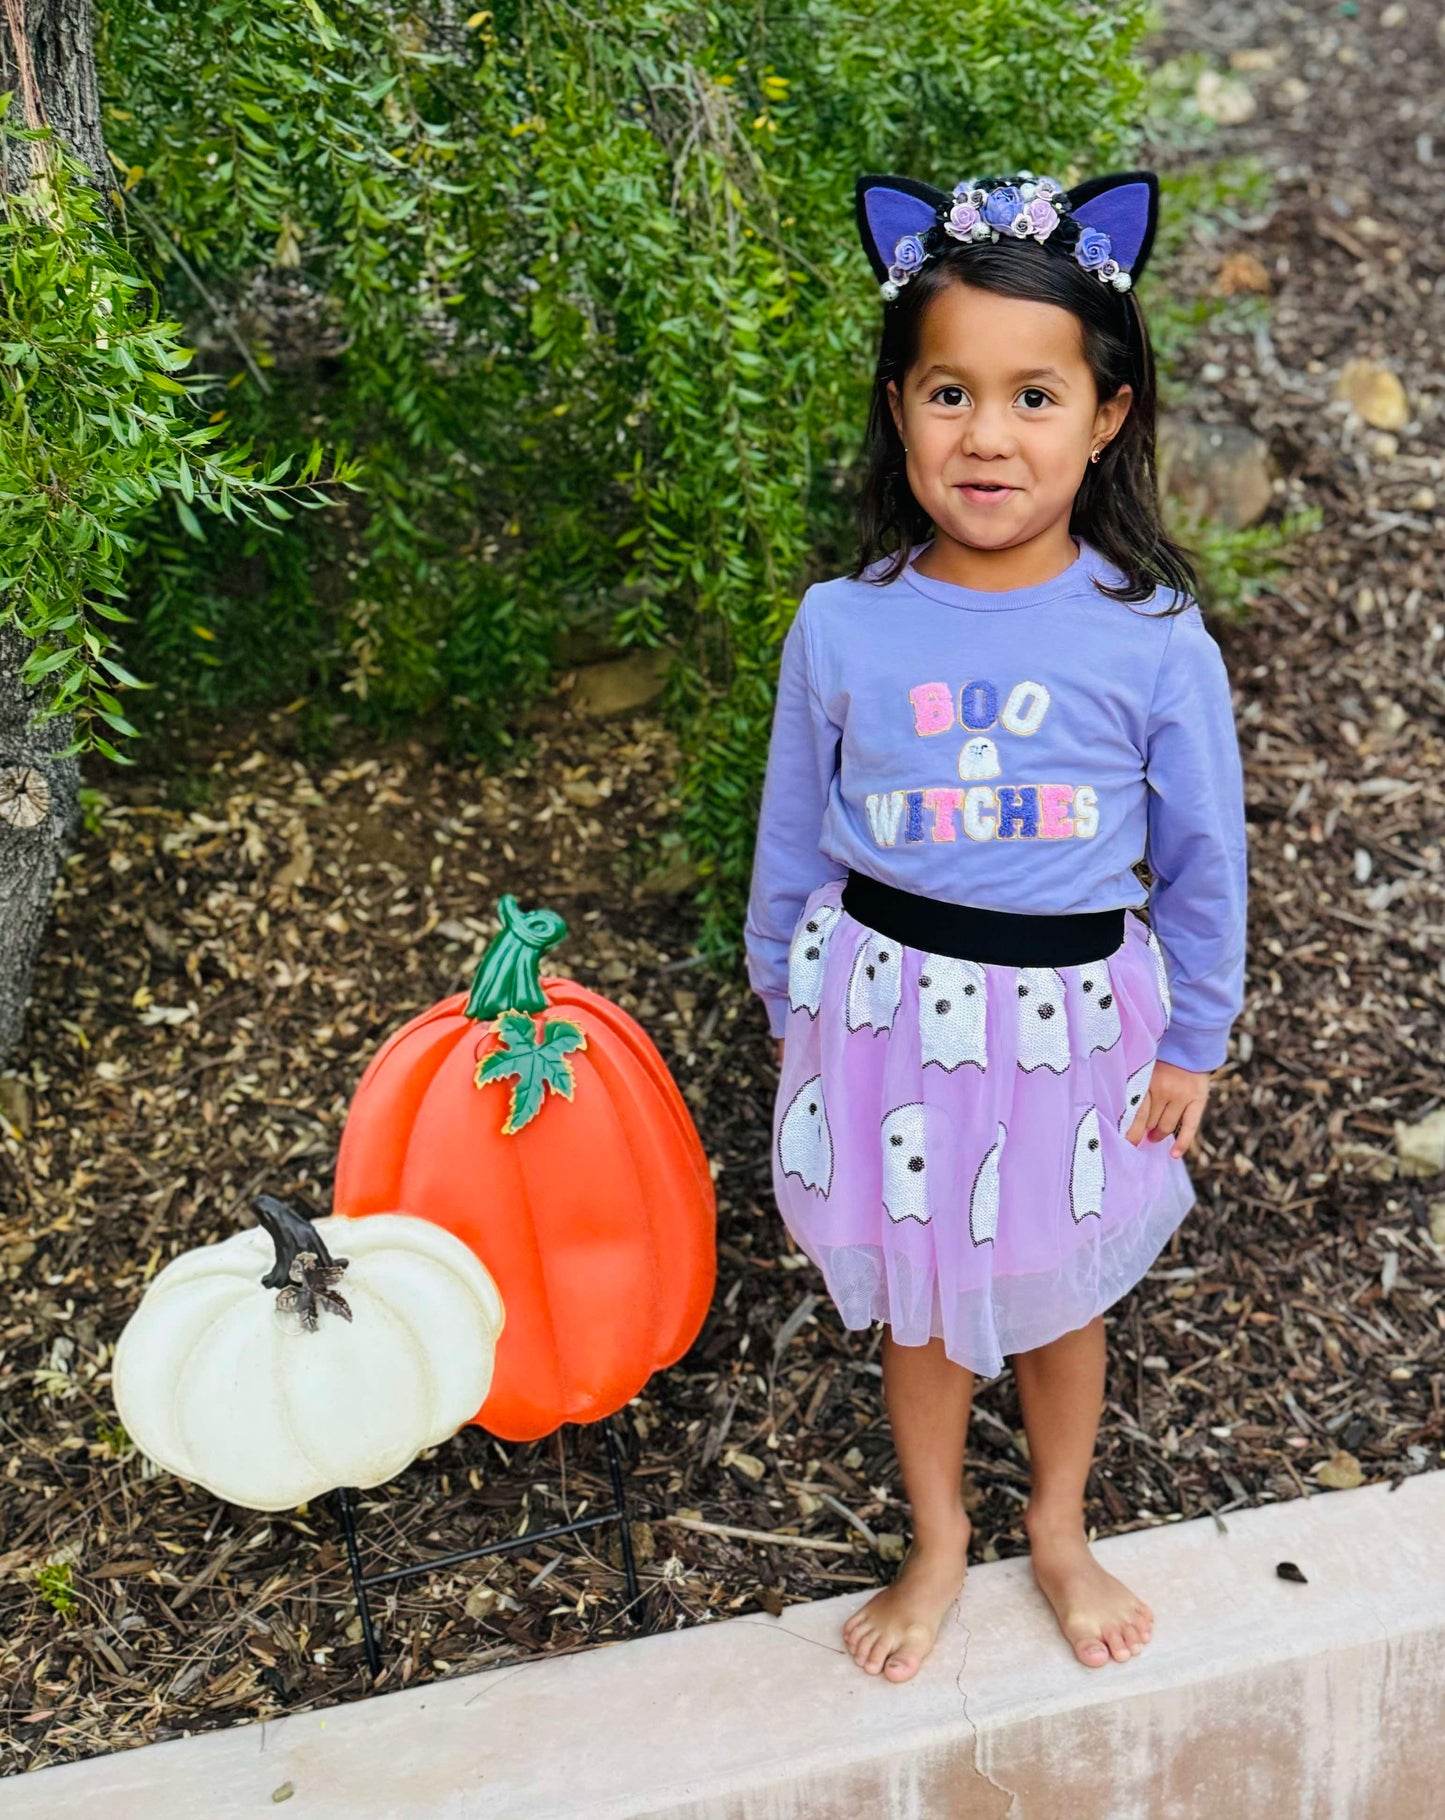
x=1002 y=938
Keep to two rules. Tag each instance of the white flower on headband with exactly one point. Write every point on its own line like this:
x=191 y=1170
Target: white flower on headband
x=1024 y=207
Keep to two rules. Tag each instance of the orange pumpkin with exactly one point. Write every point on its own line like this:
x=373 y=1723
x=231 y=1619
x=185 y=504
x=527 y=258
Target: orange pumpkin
x=583 y=1188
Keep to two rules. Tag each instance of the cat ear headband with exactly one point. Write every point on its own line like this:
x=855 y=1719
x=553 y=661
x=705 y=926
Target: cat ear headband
x=1106 y=224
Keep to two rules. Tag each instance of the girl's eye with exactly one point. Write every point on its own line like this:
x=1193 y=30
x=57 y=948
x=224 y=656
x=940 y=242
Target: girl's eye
x=951 y=395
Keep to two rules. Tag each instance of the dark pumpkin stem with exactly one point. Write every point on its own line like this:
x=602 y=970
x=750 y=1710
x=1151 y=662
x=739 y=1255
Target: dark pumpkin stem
x=507 y=975
x=291 y=1234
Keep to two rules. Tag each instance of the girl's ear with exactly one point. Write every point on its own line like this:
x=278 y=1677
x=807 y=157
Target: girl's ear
x=888 y=208
x=1125 y=206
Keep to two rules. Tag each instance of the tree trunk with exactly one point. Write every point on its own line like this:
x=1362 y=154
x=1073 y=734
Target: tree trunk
x=47 y=57
x=37 y=816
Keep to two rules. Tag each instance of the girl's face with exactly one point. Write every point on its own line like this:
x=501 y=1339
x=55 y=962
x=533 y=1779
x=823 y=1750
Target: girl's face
x=999 y=414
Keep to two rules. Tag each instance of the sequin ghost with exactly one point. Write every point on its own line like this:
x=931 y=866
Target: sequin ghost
x=807 y=957
x=1134 y=1094
x=905 y=1164
x=1101 y=1009
x=952 y=1007
x=1086 y=1177
x=1043 y=1027
x=984 y=1198
x=805 y=1144
x=875 y=985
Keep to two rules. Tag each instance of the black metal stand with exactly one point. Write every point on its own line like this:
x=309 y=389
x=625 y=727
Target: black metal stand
x=361 y=1581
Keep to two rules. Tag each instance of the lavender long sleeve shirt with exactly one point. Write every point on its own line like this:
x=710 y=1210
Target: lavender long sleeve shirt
x=1017 y=750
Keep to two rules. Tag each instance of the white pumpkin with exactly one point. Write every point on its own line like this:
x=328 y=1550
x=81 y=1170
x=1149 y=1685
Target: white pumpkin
x=219 y=1378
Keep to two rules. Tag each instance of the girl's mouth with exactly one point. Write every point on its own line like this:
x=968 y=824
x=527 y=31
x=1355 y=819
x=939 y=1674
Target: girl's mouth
x=979 y=494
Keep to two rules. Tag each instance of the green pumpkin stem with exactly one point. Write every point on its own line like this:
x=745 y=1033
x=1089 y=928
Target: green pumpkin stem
x=507 y=975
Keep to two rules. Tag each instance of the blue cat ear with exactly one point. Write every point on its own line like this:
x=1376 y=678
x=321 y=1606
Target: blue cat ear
x=890 y=207
x=1125 y=206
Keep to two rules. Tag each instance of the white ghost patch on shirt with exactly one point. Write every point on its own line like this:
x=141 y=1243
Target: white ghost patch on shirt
x=875 y=985
x=1086 y=1177
x=1043 y=1027
x=979 y=758
x=1161 y=974
x=1134 y=1089
x=952 y=1008
x=905 y=1164
x=807 y=957
x=984 y=1198
x=805 y=1144
x=1101 y=1007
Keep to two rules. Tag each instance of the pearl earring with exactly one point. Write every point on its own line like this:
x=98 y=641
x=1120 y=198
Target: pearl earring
x=1096 y=454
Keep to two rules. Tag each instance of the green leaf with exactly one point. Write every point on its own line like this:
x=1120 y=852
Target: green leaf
x=537 y=1065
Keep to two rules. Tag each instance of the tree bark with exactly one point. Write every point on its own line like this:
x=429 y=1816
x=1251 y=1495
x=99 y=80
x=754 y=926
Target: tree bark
x=47 y=56
x=37 y=817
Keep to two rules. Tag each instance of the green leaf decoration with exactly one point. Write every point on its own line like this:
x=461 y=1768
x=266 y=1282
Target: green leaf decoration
x=536 y=1065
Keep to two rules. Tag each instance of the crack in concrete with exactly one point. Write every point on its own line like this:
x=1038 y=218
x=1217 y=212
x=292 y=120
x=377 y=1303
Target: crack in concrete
x=981 y=1773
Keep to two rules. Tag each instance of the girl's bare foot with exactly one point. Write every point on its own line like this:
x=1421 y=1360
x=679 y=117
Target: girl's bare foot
x=895 y=1630
x=1097 y=1613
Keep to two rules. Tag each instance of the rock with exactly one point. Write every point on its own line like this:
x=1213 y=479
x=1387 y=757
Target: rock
x=1241 y=272
x=1421 y=1147
x=1220 y=471
x=1341 y=1472
x=1374 y=393
x=614 y=688
x=1223 y=100
x=1259 y=57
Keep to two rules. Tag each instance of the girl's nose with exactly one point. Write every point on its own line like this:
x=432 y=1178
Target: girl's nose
x=987 y=432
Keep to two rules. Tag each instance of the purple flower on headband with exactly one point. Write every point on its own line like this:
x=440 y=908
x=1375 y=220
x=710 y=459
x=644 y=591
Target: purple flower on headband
x=1043 y=217
x=908 y=254
x=962 y=217
x=1002 y=205
x=1093 y=248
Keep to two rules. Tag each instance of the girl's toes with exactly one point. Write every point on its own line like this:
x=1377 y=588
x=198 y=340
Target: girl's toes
x=1093 y=1652
x=876 y=1655
x=1118 y=1648
x=901 y=1665
x=1131 y=1636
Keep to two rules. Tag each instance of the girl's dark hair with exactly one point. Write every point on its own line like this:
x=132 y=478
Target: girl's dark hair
x=1117 y=506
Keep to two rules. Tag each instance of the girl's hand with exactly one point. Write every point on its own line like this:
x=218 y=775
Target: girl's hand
x=1173 y=1102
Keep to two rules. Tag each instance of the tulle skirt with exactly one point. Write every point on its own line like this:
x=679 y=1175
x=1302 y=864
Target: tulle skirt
x=948 y=1136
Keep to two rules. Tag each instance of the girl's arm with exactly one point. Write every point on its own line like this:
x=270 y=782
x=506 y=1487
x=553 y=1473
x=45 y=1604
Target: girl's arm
x=803 y=756
x=1196 y=845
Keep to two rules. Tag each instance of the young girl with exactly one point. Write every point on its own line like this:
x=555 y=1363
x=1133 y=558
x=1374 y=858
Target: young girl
x=993 y=1067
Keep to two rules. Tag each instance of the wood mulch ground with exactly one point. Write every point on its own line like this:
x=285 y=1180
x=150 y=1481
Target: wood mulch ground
x=233 y=940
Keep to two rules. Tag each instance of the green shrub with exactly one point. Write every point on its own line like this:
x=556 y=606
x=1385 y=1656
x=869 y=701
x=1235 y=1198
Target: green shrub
x=581 y=289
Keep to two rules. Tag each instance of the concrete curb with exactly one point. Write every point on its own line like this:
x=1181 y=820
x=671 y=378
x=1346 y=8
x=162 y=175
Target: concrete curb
x=1257 y=1697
